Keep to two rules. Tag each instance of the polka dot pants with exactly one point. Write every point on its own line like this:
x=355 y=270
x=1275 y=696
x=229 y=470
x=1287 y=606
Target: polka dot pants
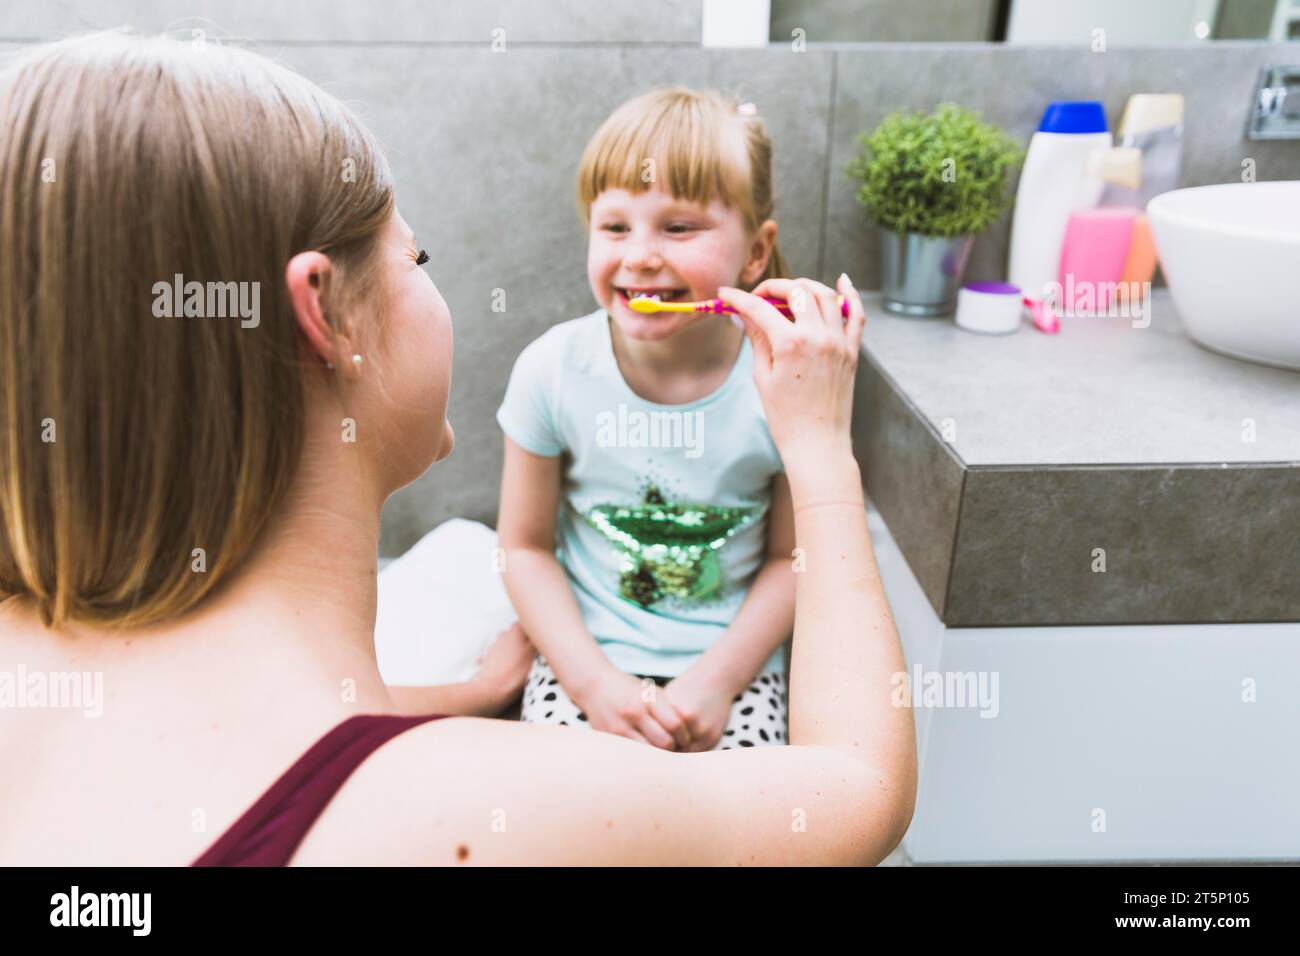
x=758 y=714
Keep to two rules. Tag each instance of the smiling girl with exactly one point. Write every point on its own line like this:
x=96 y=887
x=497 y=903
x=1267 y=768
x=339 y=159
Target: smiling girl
x=652 y=570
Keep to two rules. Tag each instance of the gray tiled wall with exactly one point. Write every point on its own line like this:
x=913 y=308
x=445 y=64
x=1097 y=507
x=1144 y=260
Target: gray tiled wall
x=485 y=144
x=374 y=21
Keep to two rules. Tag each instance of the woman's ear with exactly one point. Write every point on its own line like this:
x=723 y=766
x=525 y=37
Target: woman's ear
x=308 y=275
x=759 y=252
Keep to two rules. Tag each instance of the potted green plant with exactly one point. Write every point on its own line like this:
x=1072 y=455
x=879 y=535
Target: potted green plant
x=931 y=182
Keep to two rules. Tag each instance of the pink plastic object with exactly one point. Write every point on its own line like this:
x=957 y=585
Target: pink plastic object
x=1092 y=259
x=1040 y=310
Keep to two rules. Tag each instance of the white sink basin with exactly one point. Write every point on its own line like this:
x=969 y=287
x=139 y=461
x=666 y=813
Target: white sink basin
x=1231 y=256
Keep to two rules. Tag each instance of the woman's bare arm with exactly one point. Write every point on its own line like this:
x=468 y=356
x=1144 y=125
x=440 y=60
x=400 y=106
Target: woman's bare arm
x=846 y=647
x=496 y=685
x=466 y=698
x=474 y=791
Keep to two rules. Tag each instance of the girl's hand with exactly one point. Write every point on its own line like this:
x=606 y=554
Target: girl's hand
x=703 y=705
x=617 y=704
x=804 y=368
x=503 y=668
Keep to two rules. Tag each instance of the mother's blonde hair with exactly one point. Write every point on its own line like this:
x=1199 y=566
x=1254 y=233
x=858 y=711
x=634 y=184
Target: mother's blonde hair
x=698 y=145
x=141 y=457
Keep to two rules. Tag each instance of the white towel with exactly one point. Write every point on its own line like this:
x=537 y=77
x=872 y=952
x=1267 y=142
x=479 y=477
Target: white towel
x=441 y=605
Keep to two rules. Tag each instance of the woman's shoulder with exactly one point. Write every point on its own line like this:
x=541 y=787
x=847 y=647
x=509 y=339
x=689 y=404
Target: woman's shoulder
x=444 y=792
x=393 y=806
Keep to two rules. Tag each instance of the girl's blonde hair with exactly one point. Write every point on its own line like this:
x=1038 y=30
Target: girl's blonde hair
x=698 y=145
x=141 y=457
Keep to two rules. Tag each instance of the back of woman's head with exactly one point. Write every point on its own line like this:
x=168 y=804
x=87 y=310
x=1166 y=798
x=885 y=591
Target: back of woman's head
x=144 y=447
x=697 y=145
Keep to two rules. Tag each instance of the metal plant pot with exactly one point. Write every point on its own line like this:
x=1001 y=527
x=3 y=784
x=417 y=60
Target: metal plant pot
x=920 y=274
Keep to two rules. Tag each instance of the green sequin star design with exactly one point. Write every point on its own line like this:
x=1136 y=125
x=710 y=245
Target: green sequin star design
x=668 y=550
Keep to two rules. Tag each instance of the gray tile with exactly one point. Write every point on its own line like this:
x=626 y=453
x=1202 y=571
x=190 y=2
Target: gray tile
x=1183 y=545
x=386 y=21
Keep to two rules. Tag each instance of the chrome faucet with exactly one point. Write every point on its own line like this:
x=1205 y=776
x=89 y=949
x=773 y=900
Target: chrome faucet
x=1275 y=109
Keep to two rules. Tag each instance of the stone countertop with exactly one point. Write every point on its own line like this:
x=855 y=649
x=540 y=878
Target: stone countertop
x=1114 y=473
x=1104 y=391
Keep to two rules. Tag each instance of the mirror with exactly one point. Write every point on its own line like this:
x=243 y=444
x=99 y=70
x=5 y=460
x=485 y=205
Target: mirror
x=1038 y=22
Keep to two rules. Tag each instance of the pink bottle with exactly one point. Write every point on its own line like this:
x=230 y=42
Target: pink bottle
x=1092 y=259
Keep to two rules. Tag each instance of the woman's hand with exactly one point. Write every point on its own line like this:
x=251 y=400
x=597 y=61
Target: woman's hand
x=804 y=368
x=503 y=671
x=617 y=703
x=703 y=704
x=503 y=668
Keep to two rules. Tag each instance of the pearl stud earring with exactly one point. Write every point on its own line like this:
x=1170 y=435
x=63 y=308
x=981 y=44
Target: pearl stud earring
x=356 y=361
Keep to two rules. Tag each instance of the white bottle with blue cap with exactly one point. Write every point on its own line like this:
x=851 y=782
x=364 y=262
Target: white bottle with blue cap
x=1050 y=189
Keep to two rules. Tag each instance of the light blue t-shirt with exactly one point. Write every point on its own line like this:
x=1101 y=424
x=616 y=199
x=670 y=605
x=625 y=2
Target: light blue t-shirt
x=663 y=519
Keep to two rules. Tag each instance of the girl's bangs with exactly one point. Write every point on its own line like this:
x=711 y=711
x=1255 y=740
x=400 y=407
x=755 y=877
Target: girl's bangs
x=689 y=153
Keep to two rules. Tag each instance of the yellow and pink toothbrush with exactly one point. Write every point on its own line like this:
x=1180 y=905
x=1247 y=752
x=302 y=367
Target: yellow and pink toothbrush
x=646 y=304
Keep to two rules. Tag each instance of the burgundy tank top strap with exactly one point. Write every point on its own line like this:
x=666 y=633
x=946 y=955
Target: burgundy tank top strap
x=268 y=834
